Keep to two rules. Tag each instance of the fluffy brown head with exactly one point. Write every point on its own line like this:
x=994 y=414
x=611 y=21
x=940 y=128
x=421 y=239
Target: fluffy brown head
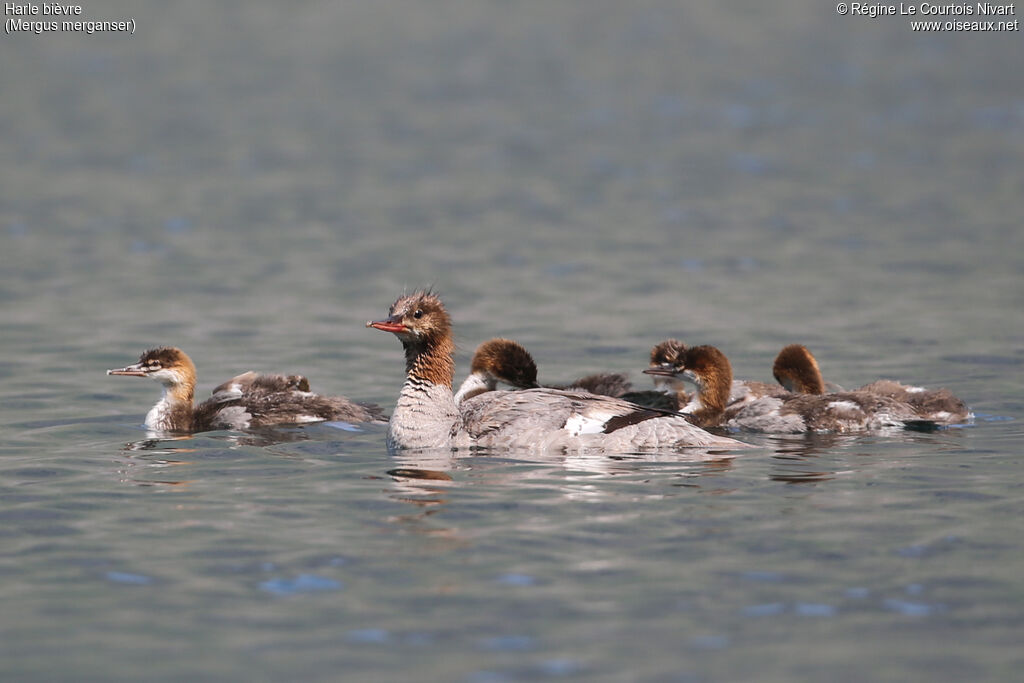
x=712 y=373
x=797 y=370
x=422 y=324
x=506 y=361
x=667 y=353
x=662 y=368
x=166 y=357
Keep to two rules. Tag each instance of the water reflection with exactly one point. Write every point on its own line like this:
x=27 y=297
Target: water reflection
x=812 y=458
x=794 y=473
x=154 y=456
x=156 y=453
x=797 y=458
x=257 y=438
x=423 y=478
x=810 y=443
x=426 y=491
x=431 y=480
x=411 y=486
x=419 y=474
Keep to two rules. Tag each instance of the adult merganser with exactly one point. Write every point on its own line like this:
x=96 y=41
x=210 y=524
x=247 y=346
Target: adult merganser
x=247 y=401
x=541 y=419
x=848 y=411
x=506 y=361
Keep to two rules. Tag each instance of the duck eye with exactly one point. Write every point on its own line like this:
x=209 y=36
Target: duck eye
x=418 y=314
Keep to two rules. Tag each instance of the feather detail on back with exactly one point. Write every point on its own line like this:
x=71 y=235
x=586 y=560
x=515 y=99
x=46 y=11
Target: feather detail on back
x=939 y=405
x=252 y=381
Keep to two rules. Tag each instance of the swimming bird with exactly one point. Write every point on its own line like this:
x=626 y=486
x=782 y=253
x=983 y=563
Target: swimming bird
x=797 y=370
x=794 y=369
x=498 y=360
x=249 y=400
x=508 y=362
x=935 y=405
x=939 y=406
x=848 y=411
x=540 y=419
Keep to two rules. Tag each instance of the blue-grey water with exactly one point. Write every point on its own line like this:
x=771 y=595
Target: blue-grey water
x=253 y=181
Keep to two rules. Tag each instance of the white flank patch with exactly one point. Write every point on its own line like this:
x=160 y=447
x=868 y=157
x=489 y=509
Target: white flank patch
x=916 y=390
x=843 y=405
x=300 y=419
x=586 y=424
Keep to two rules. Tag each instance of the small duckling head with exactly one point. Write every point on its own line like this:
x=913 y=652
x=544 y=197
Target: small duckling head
x=503 y=360
x=667 y=352
x=705 y=366
x=710 y=370
x=166 y=364
x=797 y=370
x=662 y=368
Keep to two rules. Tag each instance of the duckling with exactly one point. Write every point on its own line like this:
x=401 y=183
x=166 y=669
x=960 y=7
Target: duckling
x=508 y=362
x=849 y=411
x=247 y=401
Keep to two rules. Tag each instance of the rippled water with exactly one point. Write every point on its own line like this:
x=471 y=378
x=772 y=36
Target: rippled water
x=253 y=182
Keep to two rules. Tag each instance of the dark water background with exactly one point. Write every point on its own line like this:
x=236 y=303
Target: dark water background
x=252 y=181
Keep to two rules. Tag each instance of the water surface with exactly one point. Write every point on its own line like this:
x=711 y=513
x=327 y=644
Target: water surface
x=253 y=182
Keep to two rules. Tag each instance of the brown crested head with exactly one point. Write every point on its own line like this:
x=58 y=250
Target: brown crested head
x=506 y=361
x=417 y=319
x=797 y=370
x=165 y=357
x=422 y=324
